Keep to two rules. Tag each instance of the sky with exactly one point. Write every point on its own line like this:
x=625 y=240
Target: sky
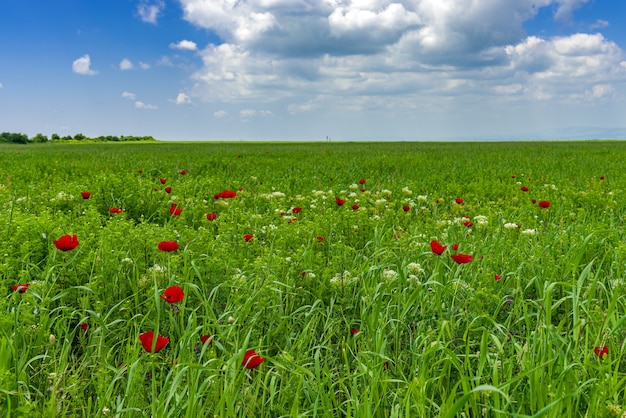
x=314 y=69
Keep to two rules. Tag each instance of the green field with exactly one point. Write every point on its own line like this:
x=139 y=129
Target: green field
x=351 y=308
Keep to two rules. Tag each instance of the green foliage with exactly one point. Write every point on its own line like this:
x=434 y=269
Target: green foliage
x=431 y=337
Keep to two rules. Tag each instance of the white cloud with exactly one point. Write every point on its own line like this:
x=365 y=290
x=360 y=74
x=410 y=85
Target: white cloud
x=150 y=12
x=250 y=113
x=144 y=66
x=220 y=114
x=142 y=105
x=566 y=8
x=309 y=57
x=138 y=103
x=184 y=44
x=126 y=64
x=182 y=98
x=1 y=86
x=82 y=66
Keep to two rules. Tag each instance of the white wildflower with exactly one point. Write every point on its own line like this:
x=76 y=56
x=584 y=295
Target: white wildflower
x=510 y=225
x=407 y=191
x=481 y=220
x=415 y=268
x=529 y=232
x=422 y=198
x=389 y=275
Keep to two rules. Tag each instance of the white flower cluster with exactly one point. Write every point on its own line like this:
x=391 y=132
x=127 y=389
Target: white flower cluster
x=273 y=195
x=239 y=275
x=389 y=275
x=510 y=225
x=343 y=279
x=481 y=220
x=156 y=269
x=415 y=268
x=529 y=232
x=63 y=196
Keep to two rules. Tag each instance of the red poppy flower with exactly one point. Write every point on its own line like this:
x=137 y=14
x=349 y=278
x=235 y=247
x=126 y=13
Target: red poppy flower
x=226 y=194
x=320 y=238
x=84 y=326
x=251 y=360
x=85 y=195
x=66 y=242
x=211 y=216
x=173 y=294
x=512 y=177
x=406 y=208
x=339 y=201
x=468 y=224
x=455 y=247
x=206 y=339
x=355 y=207
x=362 y=181
x=248 y=237
x=497 y=277
x=437 y=247
x=462 y=258
x=174 y=210
x=533 y=201
x=168 y=246
x=354 y=331
x=296 y=210
x=168 y=190
x=524 y=188
x=162 y=180
x=115 y=210
x=147 y=339
x=459 y=200
x=183 y=172
x=601 y=351
x=140 y=171
x=601 y=177
x=544 y=204
x=21 y=288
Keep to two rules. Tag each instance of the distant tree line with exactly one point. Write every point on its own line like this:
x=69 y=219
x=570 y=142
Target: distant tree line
x=19 y=138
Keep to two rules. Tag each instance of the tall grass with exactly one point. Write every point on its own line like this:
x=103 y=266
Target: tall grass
x=351 y=309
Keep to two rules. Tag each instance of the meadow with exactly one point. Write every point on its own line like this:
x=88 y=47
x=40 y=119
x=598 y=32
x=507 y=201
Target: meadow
x=302 y=280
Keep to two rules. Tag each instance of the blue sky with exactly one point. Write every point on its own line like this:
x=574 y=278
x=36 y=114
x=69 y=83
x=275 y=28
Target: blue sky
x=308 y=69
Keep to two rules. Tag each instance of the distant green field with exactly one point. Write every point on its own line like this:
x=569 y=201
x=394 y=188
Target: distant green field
x=323 y=259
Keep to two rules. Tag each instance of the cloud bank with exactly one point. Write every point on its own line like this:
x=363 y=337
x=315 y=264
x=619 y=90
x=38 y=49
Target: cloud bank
x=312 y=54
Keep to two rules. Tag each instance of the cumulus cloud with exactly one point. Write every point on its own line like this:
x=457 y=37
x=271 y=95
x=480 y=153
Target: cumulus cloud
x=308 y=54
x=141 y=105
x=144 y=66
x=220 y=114
x=182 y=98
x=184 y=44
x=149 y=12
x=138 y=103
x=126 y=64
x=82 y=66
